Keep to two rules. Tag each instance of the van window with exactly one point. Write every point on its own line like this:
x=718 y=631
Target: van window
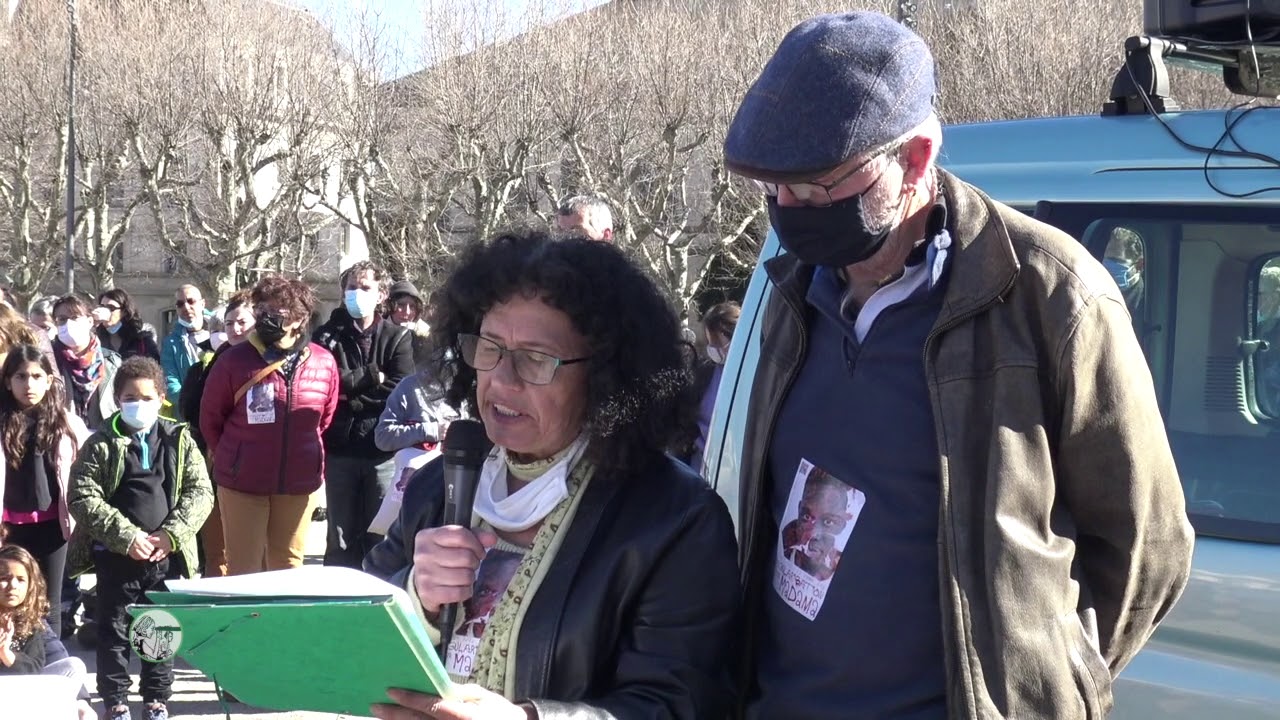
x=1125 y=257
x=1265 y=351
x=1200 y=271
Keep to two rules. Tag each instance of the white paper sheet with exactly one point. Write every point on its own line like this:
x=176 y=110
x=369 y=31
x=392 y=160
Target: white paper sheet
x=306 y=581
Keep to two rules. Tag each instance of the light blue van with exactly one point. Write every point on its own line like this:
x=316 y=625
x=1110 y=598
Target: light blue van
x=1201 y=232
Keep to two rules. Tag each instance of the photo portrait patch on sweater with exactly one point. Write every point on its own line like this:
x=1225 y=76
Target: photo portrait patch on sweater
x=821 y=513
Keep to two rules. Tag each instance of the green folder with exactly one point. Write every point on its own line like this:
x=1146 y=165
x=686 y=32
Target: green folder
x=313 y=638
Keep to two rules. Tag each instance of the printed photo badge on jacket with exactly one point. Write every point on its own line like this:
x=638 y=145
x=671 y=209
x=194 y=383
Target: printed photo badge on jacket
x=155 y=636
x=820 y=515
x=261 y=404
x=495 y=574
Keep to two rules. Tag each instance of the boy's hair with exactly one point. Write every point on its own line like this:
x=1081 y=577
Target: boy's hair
x=139 y=367
x=28 y=616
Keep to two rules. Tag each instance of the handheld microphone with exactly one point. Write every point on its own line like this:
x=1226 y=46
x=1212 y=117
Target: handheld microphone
x=465 y=448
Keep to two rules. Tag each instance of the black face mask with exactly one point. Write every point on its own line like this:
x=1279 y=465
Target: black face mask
x=832 y=236
x=269 y=329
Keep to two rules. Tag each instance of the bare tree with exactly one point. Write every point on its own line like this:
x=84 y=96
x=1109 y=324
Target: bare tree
x=33 y=127
x=226 y=167
x=119 y=83
x=379 y=186
x=1006 y=59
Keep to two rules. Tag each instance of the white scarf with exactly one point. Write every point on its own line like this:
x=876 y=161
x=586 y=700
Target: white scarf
x=531 y=503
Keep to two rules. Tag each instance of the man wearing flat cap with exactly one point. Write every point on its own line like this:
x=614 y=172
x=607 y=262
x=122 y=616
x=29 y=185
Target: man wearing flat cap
x=958 y=500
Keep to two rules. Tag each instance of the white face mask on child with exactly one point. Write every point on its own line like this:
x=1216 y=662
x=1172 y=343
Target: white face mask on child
x=140 y=414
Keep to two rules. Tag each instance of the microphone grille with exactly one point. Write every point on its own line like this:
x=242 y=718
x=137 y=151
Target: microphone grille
x=466 y=442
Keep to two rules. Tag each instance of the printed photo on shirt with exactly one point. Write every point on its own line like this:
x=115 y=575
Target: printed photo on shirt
x=821 y=513
x=261 y=404
x=496 y=571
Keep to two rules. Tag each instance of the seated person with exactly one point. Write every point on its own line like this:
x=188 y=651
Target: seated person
x=605 y=569
x=28 y=646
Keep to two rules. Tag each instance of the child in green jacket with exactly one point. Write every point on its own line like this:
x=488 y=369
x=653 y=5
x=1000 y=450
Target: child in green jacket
x=139 y=493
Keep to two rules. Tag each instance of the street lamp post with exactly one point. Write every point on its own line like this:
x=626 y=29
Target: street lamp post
x=69 y=260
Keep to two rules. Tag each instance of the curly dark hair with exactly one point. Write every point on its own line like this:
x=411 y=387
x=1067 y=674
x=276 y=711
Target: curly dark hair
x=287 y=294
x=637 y=403
x=129 y=316
x=380 y=275
x=138 y=367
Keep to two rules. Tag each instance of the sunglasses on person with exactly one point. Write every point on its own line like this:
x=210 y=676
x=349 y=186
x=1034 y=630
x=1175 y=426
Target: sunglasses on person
x=186 y=301
x=533 y=367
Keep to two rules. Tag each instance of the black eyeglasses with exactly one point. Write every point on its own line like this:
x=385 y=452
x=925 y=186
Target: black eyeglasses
x=186 y=301
x=815 y=194
x=533 y=367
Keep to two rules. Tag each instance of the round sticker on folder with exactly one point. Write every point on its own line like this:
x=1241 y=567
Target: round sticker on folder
x=155 y=636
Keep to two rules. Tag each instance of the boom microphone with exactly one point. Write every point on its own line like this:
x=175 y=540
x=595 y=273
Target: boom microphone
x=465 y=448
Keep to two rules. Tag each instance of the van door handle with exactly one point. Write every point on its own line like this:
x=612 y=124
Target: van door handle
x=1250 y=347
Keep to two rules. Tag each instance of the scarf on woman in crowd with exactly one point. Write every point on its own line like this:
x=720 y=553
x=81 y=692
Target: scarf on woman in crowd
x=85 y=369
x=494 y=667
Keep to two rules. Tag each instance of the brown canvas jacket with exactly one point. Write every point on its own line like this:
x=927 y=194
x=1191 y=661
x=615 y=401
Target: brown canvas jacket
x=1063 y=537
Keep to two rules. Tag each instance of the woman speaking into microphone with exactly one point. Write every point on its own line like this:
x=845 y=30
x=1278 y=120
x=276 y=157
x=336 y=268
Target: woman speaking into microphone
x=599 y=577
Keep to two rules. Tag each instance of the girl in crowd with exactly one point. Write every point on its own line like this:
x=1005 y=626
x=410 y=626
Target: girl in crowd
x=28 y=646
x=121 y=328
x=38 y=444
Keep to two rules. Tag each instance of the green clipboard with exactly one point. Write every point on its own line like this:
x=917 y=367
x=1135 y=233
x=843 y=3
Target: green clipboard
x=276 y=642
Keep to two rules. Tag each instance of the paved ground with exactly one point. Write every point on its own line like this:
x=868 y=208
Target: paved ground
x=193 y=694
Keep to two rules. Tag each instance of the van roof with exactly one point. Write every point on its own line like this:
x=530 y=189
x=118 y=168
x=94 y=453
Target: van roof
x=1109 y=159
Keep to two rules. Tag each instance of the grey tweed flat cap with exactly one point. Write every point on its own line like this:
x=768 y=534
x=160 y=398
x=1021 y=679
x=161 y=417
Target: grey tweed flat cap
x=838 y=85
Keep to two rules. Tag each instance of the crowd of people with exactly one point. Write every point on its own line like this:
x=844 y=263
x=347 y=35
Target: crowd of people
x=956 y=497
x=207 y=451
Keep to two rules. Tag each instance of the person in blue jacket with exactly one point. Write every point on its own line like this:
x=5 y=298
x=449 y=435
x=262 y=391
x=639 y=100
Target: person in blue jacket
x=181 y=349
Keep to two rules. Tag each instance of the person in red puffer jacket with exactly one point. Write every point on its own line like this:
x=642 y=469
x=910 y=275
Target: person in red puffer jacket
x=266 y=404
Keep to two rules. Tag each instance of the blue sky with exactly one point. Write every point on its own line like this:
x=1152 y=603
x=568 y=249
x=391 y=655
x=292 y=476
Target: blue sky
x=402 y=20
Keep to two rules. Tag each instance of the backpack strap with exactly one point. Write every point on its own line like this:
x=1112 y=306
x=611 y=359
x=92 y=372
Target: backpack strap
x=257 y=378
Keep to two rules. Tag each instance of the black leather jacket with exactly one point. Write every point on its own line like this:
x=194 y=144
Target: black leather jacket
x=635 y=616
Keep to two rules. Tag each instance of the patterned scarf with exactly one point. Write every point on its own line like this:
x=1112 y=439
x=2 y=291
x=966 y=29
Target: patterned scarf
x=85 y=369
x=494 y=667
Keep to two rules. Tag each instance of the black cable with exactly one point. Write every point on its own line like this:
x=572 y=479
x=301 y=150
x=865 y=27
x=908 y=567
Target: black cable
x=1229 y=131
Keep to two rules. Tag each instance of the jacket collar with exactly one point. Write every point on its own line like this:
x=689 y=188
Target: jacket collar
x=344 y=323
x=983 y=263
x=261 y=347
x=179 y=330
